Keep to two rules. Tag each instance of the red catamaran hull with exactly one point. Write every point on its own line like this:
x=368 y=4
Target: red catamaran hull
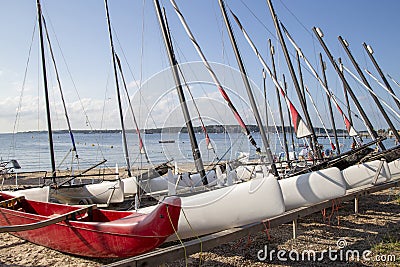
x=101 y=234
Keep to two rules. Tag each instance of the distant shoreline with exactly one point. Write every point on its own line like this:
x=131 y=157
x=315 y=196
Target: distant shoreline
x=198 y=129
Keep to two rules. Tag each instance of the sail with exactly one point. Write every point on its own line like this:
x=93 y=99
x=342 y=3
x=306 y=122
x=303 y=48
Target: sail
x=349 y=127
x=300 y=126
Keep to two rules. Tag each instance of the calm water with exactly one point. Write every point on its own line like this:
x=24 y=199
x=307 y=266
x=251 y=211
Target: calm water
x=32 y=152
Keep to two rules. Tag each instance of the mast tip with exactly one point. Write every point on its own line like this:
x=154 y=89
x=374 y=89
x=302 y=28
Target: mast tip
x=319 y=31
x=370 y=50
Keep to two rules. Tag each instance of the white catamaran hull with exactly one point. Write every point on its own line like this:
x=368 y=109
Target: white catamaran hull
x=105 y=192
x=310 y=188
x=228 y=207
x=394 y=168
x=364 y=174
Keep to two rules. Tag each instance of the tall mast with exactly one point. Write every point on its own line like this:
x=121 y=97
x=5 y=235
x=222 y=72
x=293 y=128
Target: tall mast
x=370 y=128
x=174 y=67
x=323 y=67
x=370 y=53
x=301 y=77
x=121 y=116
x=46 y=93
x=314 y=141
x=285 y=142
x=365 y=81
x=264 y=76
x=247 y=85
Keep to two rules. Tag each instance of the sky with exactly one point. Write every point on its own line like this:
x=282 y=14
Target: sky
x=79 y=37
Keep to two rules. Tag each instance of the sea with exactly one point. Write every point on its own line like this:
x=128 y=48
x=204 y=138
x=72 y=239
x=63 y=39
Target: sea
x=31 y=149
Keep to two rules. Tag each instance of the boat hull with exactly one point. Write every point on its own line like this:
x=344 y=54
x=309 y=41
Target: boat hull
x=394 y=168
x=363 y=174
x=37 y=193
x=310 y=188
x=111 y=234
x=228 y=207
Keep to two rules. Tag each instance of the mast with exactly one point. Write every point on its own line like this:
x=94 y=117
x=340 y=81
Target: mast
x=314 y=141
x=46 y=93
x=346 y=95
x=285 y=142
x=365 y=81
x=301 y=77
x=142 y=149
x=349 y=127
x=289 y=115
x=121 y=117
x=370 y=53
x=71 y=135
x=214 y=77
x=300 y=125
x=367 y=122
x=264 y=76
x=174 y=67
x=323 y=67
x=247 y=86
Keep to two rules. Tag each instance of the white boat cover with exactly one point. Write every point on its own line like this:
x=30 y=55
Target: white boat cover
x=363 y=174
x=130 y=186
x=246 y=172
x=181 y=181
x=101 y=193
x=38 y=193
x=311 y=188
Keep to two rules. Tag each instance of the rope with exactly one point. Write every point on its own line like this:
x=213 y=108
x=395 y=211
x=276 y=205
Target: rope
x=249 y=241
x=88 y=123
x=59 y=87
x=267 y=229
x=196 y=235
x=208 y=141
x=177 y=235
x=17 y=116
x=334 y=209
x=319 y=116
